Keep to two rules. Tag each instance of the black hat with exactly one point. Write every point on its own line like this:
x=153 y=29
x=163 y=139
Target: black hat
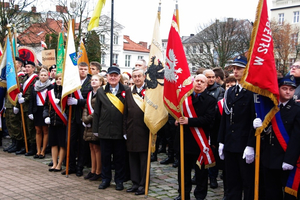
x=52 y=67
x=20 y=59
x=287 y=80
x=113 y=69
x=28 y=62
x=240 y=61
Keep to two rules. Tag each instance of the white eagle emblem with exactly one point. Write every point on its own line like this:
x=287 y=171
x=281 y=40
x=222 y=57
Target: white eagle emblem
x=170 y=71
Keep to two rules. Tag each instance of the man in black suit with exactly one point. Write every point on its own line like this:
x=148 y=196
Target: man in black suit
x=236 y=137
x=276 y=162
x=204 y=106
x=77 y=129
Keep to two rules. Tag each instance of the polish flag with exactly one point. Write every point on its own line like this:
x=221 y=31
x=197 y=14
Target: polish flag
x=44 y=44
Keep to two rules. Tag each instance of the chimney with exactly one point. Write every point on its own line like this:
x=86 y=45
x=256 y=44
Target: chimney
x=229 y=20
x=191 y=34
x=33 y=9
x=61 y=9
x=143 y=44
x=16 y=7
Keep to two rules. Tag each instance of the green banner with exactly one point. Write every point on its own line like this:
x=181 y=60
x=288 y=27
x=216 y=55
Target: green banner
x=60 y=54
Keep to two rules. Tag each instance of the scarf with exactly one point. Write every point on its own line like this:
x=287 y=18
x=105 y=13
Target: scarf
x=39 y=86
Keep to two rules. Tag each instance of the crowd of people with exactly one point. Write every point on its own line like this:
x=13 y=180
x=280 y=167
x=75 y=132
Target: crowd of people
x=108 y=131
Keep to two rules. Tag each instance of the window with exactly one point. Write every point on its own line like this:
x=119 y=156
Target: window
x=115 y=58
x=294 y=40
x=188 y=50
x=296 y=17
x=201 y=48
x=194 y=49
x=102 y=39
x=103 y=59
x=140 y=57
x=127 y=60
x=281 y=18
x=116 y=38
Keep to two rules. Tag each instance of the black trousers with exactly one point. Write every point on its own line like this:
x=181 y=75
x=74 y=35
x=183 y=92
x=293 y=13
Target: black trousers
x=138 y=168
x=201 y=177
x=117 y=148
x=78 y=147
x=239 y=177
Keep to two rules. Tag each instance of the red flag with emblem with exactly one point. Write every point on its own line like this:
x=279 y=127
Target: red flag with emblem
x=177 y=82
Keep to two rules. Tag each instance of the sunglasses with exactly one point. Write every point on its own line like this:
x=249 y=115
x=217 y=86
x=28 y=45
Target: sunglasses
x=130 y=83
x=296 y=66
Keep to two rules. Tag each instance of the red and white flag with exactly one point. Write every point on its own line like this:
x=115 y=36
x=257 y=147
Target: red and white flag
x=43 y=44
x=177 y=82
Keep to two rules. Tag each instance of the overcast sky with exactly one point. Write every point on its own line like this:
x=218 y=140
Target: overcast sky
x=138 y=16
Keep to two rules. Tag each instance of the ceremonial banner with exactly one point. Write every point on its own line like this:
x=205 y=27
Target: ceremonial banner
x=1 y=50
x=70 y=76
x=155 y=113
x=261 y=63
x=11 y=77
x=178 y=82
x=82 y=55
x=94 y=22
x=60 y=54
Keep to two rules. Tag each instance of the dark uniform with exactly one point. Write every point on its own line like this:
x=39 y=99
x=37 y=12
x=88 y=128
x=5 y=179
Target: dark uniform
x=236 y=132
x=204 y=106
x=273 y=155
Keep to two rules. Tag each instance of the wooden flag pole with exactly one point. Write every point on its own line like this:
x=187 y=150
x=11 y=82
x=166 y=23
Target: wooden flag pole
x=18 y=85
x=148 y=166
x=68 y=142
x=257 y=159
x=182 y=162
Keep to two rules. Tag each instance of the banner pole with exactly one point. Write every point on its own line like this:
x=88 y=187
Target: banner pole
x=182 y=162
x=68 y=142
x=148 y=166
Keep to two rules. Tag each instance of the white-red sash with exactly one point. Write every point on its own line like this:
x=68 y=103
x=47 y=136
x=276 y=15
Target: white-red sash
x=220 y=105
x=78 y=94
x=21 y=74
x=89 y=102
x=206 y=155
x=28 y=82
x=41 y=97
x=56 y=107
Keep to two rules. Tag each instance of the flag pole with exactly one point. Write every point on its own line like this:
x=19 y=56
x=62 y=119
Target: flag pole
x=148 y=165
x=257 y=159
x=18 y=84
x=182 y=162
x=69 y=140
x=111 y=32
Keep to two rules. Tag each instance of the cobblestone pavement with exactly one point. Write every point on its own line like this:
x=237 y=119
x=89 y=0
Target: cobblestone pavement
x=23 y=177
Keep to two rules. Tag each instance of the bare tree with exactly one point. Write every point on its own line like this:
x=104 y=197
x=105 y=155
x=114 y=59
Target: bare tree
x=285 y=37
x=218 y=42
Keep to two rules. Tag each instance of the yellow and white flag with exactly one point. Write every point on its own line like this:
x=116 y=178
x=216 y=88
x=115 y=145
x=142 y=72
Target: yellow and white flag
x=94 y=22
x=155 y=113
x=70 y=76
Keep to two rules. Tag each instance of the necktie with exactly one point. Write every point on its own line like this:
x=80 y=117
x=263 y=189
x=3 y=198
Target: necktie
x=113 y=91
x=237 y=90
x=281 y=106
x=196 y=95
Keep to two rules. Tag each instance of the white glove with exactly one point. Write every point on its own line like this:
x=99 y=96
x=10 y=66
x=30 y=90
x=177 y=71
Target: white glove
x=20 y=95
x=47 y=120
x=88 y=125
x=21 y=100
x=30 y=116
x=220 y=150
x=96 y=134
x=56 y=101
x=125 y=136
x=16 y=110
x=257 y=123
x=286 y=166
x=83 y=124
x=249 y=154
x=72 y=101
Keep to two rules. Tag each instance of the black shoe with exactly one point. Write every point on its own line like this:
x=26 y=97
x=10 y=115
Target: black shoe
x=153 y=158
x=36 y=156
x=104 y=185
x=79 y=173
x=32 y=150
x=70 y=172
x=57 y=170
x=119 y=186
x=12 y=149
x=13 y=145
x=96 y=177
x=140 y=192
x=51 y=169
x=89 y=175
x=213 y=183
x=166 y=161
x=41 y=156
x=193 y=180
x=22 y=151
x=132 y=189
x=175 y=164
x=179 y=198
x=161 y=150
x=50 y=164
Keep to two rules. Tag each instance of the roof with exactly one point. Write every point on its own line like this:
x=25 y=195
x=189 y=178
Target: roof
x=129 y=45
x=36 y=33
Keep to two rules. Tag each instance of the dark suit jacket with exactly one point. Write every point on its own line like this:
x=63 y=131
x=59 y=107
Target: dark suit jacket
x=107 y=119
x=134 y=125
x=236 y=129
x=272 y=154
x=204 y=106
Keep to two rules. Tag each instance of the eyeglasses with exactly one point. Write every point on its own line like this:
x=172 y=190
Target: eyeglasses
x=296 y=66
x=130 y=83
